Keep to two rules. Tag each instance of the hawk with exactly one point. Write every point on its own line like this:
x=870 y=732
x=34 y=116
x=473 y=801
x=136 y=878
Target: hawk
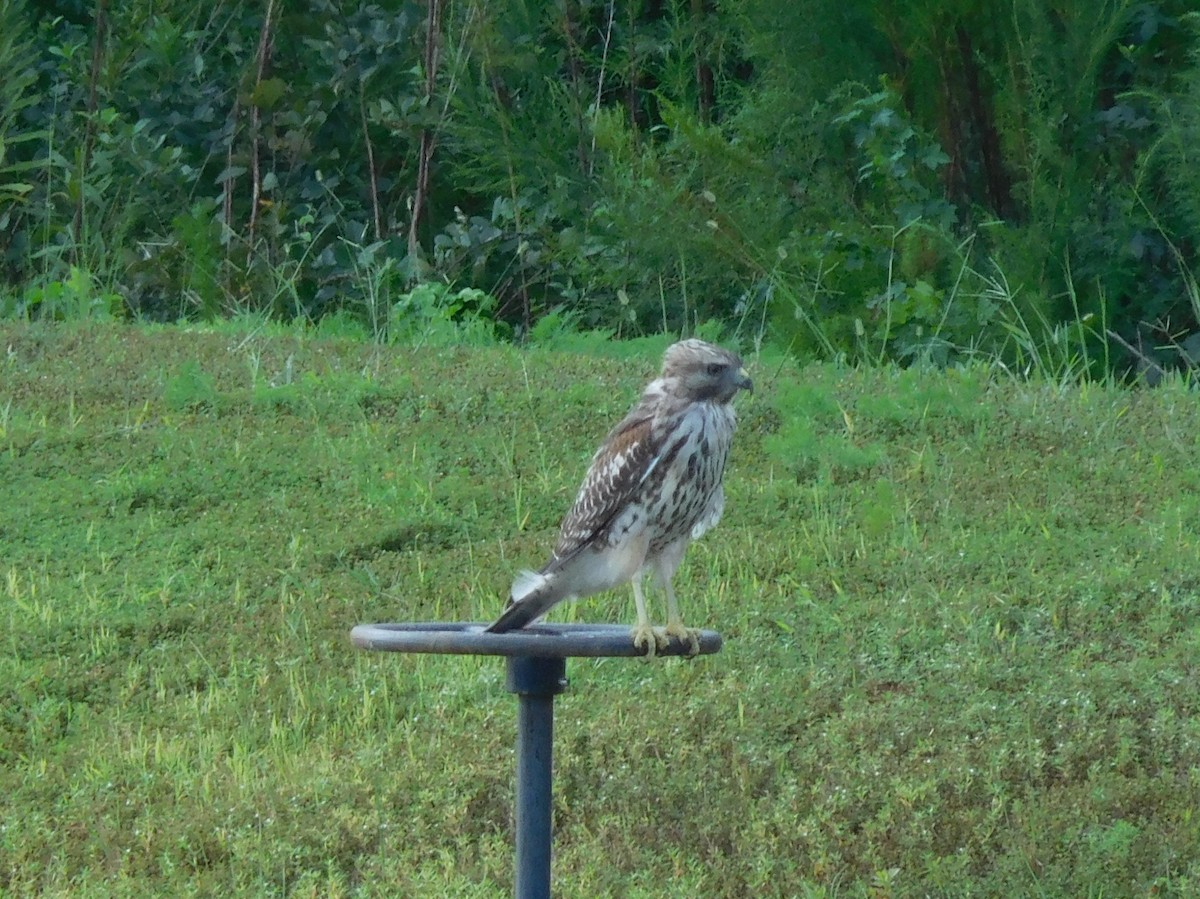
x=654 y=485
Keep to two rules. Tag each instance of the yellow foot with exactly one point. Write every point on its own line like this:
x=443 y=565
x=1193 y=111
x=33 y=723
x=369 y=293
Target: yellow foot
x=688 y=635
x=650 y=640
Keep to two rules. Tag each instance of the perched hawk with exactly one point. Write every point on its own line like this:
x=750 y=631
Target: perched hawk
x=653 y=486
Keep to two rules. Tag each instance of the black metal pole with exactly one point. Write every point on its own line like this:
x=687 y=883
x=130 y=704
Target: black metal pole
x=536 y=681
x=537 y=672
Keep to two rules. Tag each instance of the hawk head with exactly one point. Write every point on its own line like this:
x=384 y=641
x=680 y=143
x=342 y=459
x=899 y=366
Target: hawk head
x=702 y=371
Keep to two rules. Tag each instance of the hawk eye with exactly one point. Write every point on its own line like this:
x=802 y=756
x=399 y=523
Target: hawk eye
x=714 y=368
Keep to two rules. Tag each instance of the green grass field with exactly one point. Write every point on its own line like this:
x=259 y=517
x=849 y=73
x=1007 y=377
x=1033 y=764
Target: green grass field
x=962 y=621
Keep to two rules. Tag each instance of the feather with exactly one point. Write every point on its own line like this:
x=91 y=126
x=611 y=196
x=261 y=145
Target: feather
x=618 y=469
x=525 y=583
x=531 y=597
x=517 y=615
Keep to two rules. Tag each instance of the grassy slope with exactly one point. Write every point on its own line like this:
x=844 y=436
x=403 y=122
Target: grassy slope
x=961 y=617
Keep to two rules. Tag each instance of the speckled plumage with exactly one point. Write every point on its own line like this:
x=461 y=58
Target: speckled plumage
x=652 y=487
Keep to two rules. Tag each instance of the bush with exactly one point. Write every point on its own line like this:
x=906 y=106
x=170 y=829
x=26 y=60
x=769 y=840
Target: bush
x=853 y=180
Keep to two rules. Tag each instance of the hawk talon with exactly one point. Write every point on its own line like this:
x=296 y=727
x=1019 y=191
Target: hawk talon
x=648 y=638
x=654 y=640
x=688 y=635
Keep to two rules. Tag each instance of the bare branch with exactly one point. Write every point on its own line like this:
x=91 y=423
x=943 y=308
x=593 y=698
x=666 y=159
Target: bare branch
x=1150 y=364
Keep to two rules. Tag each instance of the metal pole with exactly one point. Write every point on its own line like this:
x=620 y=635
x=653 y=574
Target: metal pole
x=536 y=681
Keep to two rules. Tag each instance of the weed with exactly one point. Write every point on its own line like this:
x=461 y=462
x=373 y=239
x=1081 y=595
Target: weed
x=191 y=388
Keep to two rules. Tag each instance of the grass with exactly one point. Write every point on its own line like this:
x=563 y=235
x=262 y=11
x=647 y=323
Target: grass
x=962 y=615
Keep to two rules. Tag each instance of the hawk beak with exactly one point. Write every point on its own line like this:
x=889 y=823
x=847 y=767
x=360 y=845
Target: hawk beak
x=744 y=382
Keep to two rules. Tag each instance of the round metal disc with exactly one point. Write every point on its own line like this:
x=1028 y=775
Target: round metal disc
x=546 y=640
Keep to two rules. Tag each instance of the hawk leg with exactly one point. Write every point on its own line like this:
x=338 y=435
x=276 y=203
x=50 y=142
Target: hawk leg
x=675 y=626
x=645 y=637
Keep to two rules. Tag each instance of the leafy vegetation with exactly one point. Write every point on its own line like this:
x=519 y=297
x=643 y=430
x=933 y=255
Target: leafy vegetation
x=847 y=181
x=960 y=609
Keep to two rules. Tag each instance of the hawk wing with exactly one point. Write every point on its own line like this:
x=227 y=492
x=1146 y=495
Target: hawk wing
x=622 y=463
x=620 y=466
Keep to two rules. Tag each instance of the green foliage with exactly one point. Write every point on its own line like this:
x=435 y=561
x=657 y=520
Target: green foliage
x=434 y=315
x=811 y=441
x=1178 y=152
x=849 y=181
x=341 y=325
x=960 y=612
x=823 y=436
x=190 y=389
x=559 y=331
x=76 y=298
x=895 y=248
x=19 y=162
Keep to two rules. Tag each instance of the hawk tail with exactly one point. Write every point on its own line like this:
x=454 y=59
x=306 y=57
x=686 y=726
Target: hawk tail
x=532 y=596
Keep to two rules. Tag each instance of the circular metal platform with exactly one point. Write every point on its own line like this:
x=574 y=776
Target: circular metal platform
x=540 y=640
